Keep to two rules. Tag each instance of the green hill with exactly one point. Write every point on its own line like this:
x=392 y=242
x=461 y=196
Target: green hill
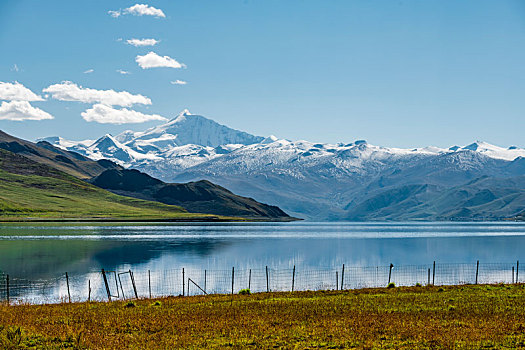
x=32 y=191
x=198 y=197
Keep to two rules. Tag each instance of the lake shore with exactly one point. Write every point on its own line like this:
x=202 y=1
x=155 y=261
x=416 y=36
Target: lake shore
x=467 y=316
x=195 y=219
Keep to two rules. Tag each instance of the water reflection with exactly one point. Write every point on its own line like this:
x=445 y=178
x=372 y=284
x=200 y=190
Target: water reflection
x=46 y=251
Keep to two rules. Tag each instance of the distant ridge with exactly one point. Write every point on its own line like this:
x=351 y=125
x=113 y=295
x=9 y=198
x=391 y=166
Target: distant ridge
x=319 y=181
x=196 y=197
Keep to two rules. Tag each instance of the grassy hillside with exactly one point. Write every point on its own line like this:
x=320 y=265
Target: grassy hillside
x=198 y=197
x=462 y=317
x=33 y=190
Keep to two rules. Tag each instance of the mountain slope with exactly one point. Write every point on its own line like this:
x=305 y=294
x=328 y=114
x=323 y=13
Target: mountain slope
x=318 y=181
x=31 y=190
x=69 y=162
x=200 y=196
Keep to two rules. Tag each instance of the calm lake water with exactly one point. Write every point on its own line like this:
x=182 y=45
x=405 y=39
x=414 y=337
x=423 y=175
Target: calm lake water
x=47 y=251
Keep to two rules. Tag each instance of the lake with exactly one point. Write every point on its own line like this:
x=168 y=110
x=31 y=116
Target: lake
x=41 y=254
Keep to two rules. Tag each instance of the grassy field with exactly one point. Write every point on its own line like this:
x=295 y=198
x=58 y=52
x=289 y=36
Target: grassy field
x=29 y=190
x=415 y=317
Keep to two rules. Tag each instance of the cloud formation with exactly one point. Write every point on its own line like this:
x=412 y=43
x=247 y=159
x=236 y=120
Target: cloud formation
x=138 y=10
x=107 y=115
x=89 y=71
x=178 y=82
x=22 y=110
x=123 y=71
x=68 y=91
x=17 y=92
x=142 y=42
x=152 y=60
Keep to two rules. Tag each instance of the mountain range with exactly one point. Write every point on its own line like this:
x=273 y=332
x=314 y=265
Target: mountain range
x=319 y=181
x=45 y=181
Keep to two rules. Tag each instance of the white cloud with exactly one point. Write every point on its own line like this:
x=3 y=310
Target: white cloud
x=152 y=60
x=68 y=91
x=138 y=10
x=178 y=82
x=22 y=110
x=123 y=71
x=89 y=71
x=142 y=42
x=15 y=68
x=107 y=115
x=17 y=92
x=114 y=14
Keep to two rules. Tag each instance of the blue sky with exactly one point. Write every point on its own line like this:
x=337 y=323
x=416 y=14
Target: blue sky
x=396 y=73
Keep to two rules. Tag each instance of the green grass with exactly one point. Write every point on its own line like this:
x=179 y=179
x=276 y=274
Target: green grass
x=461 y=317
x=33 y=191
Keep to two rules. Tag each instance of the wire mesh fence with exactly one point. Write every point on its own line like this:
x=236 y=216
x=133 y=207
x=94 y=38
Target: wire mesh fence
x=128 y=284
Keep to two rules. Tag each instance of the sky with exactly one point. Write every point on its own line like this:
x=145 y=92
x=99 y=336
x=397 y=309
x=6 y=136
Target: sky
x=395 y=73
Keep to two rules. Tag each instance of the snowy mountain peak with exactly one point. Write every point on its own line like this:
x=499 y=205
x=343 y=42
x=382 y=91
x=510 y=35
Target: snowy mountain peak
x=195 y=129
x=269 y=139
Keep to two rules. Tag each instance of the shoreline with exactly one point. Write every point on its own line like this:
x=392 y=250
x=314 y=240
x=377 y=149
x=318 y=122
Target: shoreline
x=145 y=220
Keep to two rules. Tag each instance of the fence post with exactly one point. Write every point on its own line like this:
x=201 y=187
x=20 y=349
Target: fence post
x=434 y=273
x=336 y=280
x=267 y=281
x=428 y=283
x=293 y=277
x=477 y=271
x=67 y=283
x=512 y=274
x=342 y=277
x=517 y=269
x=250 y=280
x=106 y=284
x=89 y=290
x=7 y=286
x=390 y=272
x=183 y=287
x=149 y=283
x=133 y=283
x=233 y=277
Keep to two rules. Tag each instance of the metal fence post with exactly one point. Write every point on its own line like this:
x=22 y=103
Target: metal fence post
x=106 y=284
x=517 y=269
x=293 y=277
x=267 y=281
x=89 y=290
x=67 y=283
x=7 y=287
x=477 y=271
x=205 y=290
x=133 y=283
x=336 y=280
x=250 y=280
x=390 y=272
x=233 y=277
x=434 y=273
x=428 y=283
x=342 y=277
x=149 y=283
x=512 y=274
x=183 y=281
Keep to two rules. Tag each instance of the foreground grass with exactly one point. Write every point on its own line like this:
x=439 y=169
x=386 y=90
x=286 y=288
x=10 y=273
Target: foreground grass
x=415 y=317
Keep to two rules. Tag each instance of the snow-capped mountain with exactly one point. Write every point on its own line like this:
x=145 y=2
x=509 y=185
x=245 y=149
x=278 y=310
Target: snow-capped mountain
x=355 y=181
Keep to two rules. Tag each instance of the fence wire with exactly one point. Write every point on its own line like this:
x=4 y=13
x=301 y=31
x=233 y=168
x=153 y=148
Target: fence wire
x=128 y=284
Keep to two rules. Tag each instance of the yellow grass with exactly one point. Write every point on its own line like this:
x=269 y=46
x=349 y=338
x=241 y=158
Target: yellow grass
x=398 y=318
